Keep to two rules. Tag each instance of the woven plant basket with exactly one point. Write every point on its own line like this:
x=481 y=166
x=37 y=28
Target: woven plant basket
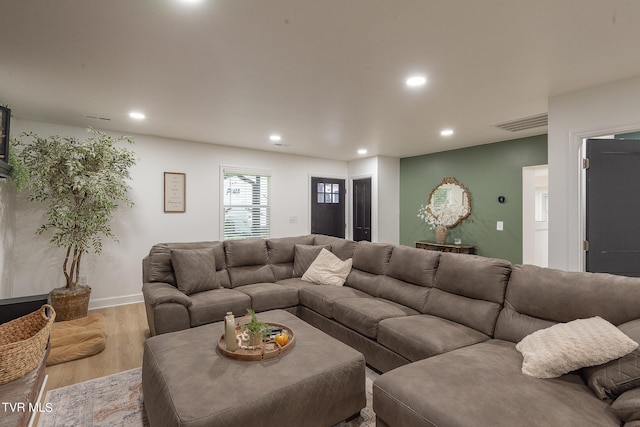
x=73 y=305
x=23 y=342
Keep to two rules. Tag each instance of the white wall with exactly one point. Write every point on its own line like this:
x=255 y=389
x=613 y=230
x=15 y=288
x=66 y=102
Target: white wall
x=608 y=109
x=7 y=197
x=115 y=276
x=389 y=200
x=385 y=196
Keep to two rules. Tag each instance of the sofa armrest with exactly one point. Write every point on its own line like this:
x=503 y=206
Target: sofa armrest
x=156 y=293
x=167 y=308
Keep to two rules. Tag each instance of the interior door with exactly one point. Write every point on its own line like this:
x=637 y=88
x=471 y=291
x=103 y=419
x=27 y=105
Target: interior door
x=362 y=209
x=327 y=206
x=612 y=206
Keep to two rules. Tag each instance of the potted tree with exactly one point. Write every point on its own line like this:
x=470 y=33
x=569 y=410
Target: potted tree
x=81 y=183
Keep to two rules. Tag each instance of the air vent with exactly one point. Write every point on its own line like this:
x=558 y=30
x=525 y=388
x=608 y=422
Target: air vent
x=526 y=123
x=95 y=117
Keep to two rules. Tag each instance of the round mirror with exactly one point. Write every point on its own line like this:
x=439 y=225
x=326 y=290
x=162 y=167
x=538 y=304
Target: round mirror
x=449 y=203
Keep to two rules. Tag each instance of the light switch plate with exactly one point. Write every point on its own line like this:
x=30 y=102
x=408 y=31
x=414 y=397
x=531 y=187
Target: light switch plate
x=500 y=226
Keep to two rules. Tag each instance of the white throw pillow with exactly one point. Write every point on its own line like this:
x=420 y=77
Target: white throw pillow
x=565 y=347
x=328 y=269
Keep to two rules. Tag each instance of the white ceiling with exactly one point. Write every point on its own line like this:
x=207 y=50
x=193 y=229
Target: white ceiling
x=326 y=74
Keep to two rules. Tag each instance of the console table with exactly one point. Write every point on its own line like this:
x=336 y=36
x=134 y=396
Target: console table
x=459 y=249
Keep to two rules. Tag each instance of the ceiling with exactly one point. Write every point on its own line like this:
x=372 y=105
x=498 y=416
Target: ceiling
x=327 y=75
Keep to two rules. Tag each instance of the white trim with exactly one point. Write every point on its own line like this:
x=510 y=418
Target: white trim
x=247 y=170
x=115 y=301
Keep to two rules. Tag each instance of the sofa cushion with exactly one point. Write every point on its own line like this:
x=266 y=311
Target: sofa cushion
x=364 y=314
x=372 y=257
x=404 y=293
x=560 y=296
x=469 y=290
x=195 y=269
x=363 y=281
x=482 y=385
x=240 y=276
x=246 y=252
x=342 y=248
x=413 y=265
x=328 y=269
x=212 y=306
x=160 y=268
x=565 y=347
x=320 y=298
x=304 y=257
x=282 y=271
x=282 y=250
x=422 y=336
x=627 y=406
x=281 y=253
x=616 y=377
x=270 y=296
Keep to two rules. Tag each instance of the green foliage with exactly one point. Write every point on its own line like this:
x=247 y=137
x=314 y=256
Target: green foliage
x=19 y=173
x=255 y=326
x=81 y=183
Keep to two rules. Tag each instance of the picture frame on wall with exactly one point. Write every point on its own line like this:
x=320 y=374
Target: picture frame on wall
x=175 y=186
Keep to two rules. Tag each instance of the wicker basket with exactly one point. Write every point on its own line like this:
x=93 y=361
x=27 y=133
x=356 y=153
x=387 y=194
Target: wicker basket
x=23 y=342
x=73 y=305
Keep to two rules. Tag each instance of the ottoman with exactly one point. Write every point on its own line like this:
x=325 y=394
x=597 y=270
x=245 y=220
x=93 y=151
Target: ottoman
x=187 y=382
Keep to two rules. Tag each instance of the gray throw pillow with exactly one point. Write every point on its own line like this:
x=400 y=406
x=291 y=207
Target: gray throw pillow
x=304 y=256
x=614 y=378
x=627 y=406
x=195 y=270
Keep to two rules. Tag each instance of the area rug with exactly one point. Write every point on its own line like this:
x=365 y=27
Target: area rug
x=78 y=338
x=116 y=400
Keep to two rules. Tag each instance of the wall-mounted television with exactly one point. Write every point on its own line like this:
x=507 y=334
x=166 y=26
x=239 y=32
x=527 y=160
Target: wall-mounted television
x=5 y=119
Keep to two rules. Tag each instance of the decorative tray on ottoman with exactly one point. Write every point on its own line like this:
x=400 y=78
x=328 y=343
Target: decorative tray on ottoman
x=266 y=350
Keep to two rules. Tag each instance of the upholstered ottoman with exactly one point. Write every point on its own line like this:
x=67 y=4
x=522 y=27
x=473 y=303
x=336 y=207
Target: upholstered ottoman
x=187 y=382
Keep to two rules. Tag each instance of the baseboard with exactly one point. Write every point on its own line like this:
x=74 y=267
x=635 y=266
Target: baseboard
x=115 y=301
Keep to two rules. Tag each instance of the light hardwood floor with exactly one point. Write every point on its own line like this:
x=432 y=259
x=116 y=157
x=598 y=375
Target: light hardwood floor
x=127 y=330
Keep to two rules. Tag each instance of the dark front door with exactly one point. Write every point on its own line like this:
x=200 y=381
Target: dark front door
x=362 y=209
x=612 y=206
x=327 y=206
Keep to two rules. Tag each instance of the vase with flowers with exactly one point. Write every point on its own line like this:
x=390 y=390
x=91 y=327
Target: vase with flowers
x=439 y=221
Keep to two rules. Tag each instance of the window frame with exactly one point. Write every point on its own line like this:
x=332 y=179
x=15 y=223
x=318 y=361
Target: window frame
x=233 y=170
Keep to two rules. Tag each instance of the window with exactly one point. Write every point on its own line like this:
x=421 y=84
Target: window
x=328 y=193
x=246 y=211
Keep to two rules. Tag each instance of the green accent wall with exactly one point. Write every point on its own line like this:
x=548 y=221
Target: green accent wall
x=488 y=171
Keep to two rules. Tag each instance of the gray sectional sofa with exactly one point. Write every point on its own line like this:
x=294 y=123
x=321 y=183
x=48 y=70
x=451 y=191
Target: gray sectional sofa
x=442 y=327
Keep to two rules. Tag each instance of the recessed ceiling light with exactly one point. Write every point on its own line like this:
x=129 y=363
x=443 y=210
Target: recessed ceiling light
x=137 y=115
x=275 y=137
x=362 y=151
x=191 y=1
x=416 y=81
x=446 y=132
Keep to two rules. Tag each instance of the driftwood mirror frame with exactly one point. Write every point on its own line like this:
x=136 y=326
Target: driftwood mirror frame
x=460 y=210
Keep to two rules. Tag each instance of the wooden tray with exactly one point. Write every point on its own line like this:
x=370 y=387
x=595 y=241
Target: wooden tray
x=267 y=350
